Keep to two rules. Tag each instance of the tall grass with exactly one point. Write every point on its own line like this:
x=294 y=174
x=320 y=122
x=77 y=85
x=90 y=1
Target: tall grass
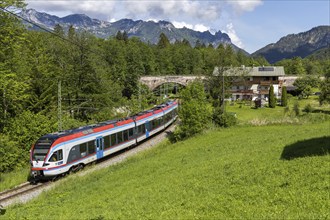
x=240 y=172
x=14 y=178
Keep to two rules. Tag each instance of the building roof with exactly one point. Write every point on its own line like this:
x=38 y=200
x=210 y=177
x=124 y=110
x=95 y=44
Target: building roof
x=252 y=71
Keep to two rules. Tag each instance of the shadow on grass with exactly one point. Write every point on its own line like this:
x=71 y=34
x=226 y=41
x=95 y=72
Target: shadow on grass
x=321 y=111
x=312 y=147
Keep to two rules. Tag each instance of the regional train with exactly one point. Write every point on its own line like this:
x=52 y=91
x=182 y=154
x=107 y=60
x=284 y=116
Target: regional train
x=58 y=153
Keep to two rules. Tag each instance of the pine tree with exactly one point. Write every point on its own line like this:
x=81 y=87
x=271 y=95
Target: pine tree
x=163 y=41
x=284 y=100
x=272 y=100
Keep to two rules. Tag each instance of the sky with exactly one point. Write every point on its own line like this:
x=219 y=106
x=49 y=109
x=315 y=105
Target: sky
x=251 y=24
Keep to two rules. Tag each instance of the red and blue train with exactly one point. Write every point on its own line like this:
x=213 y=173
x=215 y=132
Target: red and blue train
x=58 y=153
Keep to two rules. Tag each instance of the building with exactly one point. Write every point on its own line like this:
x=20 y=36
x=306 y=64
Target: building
x=249 y=83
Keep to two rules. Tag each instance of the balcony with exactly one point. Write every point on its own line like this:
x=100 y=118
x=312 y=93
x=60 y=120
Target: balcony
x=241 y=91
x=268 y=83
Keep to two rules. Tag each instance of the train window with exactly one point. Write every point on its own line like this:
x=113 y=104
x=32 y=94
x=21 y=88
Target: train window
x=74 y=154
x=130 y=132
x=91 y=147
x=60 y=155
x=83 y=149
x=113 y=139
x=106 y=141
x=120 y=137
x=125 y=135
x=143 y=128
x=57 y=156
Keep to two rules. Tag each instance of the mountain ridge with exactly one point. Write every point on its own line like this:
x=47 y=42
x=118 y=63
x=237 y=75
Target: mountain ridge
x=147 y=31
x=301 y=45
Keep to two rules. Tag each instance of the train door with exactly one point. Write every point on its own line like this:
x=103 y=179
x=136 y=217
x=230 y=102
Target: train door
x=147 y=125
x=99 y=142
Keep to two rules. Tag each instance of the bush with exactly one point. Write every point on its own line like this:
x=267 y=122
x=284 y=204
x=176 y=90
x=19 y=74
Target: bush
x=10 y=154
x=308 y=108
x=296 y=109
x=284 y=100
x=195 y=112
x=224 y=119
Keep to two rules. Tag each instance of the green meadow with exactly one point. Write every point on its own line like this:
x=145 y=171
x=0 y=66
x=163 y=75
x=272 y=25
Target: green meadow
x=273 y=170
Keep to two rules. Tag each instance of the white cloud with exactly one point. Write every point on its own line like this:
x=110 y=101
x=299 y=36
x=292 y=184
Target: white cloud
x=233 y=36
x=196 y=27
x=94 y=9
x=201 y=27
x=245 y=5
x=182 y=25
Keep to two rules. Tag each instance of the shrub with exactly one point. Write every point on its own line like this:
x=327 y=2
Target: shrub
x=286 y=110
x=272 y=99
x=10 y=154
x=284 y=100
x=296 y=109
x=195 y=112
x=224 y=119
x=308 y=108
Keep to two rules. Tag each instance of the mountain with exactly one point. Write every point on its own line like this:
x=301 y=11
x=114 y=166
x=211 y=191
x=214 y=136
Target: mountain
x=301 y=45
x=147 y=31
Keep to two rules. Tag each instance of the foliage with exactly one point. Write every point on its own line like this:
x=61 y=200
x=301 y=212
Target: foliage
x=325 y=90
x=296 y=108
x=311 y=66
x=223 y=119
x=218 y=175
x=272 y=99
x=28 y=127
x=195 y=112
x=284 y=97
x=10 y=155
x=305 y=84
x=308 y=108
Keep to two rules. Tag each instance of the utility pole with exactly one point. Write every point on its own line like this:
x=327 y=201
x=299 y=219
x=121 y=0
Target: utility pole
x=223 y=93
x=59 y=105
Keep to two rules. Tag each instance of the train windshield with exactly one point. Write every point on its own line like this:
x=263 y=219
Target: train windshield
x=41 y=148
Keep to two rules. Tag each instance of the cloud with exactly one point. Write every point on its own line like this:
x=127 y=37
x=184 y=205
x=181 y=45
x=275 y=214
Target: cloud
x=233 y=36
x=245 y=5
x=196 y=27
x=94 y=9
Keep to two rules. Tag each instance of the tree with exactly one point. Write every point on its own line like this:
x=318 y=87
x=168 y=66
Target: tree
x=195 y=112
x=325 y=90
x=305 y=84
x=272 y=99
x=163 y=41
x=284 y=97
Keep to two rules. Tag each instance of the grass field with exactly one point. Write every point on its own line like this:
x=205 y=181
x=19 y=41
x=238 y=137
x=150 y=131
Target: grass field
x=14 y=178
x=247 y=172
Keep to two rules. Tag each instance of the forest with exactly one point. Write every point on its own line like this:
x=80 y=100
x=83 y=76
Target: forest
x=96 y=79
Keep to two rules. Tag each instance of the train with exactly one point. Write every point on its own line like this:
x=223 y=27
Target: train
x=59 y=153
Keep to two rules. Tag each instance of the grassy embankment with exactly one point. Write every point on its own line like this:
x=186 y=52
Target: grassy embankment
x=255 y=172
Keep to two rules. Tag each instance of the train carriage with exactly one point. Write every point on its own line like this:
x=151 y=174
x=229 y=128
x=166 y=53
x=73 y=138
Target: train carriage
x=61 y=152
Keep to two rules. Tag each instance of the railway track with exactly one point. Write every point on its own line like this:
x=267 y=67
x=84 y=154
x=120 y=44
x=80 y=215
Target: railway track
x=13 y=194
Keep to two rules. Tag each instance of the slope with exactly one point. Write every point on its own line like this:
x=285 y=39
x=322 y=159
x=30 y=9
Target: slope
x=301 y=45
x=222 y=174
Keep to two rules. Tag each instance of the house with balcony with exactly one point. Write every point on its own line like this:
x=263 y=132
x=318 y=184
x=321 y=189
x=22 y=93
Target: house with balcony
x=249 y=83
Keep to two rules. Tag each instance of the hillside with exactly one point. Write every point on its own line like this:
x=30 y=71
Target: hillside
x=300 y=45
x=218 y=175
x=147 y=31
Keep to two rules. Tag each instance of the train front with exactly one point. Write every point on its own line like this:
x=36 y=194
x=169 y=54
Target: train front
x=38 y=155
